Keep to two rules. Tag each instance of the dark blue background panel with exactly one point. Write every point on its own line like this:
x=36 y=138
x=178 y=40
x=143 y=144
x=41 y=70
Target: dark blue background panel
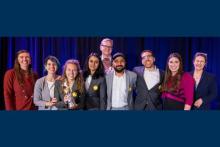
x=113 y=18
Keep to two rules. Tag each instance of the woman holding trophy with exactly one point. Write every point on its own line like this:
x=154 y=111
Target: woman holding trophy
x=70 y=89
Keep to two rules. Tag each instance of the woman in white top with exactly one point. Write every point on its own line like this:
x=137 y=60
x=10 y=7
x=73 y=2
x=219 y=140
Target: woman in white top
x=44 y=87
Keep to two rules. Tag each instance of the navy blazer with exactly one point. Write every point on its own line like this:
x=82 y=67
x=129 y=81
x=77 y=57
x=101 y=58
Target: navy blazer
x=147 y=99
x=206 y=89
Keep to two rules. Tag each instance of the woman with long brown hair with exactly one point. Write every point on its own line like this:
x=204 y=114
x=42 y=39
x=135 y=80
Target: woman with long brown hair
x=178 y=86
x=70 y=91
x=19 y=83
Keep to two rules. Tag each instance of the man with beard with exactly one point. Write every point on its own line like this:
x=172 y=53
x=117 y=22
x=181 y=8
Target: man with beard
x=149 y=80
x=120 y=85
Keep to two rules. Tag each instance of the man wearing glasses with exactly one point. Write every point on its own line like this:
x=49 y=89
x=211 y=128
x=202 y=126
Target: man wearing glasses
x=106 y=49
x=149 y=80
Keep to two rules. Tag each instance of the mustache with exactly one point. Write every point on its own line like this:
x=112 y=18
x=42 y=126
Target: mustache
x=119 y=66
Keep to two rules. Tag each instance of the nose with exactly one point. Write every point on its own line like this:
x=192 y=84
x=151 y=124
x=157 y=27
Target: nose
x=93 y=63
x=120 y=64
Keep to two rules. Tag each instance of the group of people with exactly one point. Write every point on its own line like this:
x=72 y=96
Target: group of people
x=106 y=84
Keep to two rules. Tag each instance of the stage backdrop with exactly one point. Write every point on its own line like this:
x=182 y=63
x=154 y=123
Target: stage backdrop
x=80 y=47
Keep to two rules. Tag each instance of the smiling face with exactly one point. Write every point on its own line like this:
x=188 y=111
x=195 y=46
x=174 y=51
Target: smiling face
x=24 y=60
x=119 y=64
x=148 y=59
x=174 y=65
x=71 y=71
x=106 y=47
x=51 y=67
x=199 y=63
x=93 y=64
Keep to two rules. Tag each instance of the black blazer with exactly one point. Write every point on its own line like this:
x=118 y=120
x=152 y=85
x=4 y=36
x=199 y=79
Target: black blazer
x=206 y=89
x=59 y=94
x=96 y=95
x=147 y=99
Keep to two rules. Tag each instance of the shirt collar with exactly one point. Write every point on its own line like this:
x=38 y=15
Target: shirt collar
x=155 y=69
x=108 y=57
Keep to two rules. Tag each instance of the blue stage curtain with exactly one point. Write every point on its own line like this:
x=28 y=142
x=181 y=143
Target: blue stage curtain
x=65 y=48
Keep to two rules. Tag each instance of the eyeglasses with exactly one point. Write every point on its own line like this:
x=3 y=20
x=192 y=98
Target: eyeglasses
x=147 y=56
x=201 y=54
x=106 y=46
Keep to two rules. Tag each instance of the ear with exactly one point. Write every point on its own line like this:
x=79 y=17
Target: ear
x=142 y=61
x=45 y=67
x=205 y=66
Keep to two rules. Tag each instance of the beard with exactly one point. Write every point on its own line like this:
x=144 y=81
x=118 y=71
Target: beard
x=119 y=69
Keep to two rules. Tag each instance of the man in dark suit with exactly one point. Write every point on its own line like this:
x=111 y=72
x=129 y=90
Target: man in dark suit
x=149 y=80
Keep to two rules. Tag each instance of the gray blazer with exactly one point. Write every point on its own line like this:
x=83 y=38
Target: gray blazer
x=41 y=94
x=130 y=87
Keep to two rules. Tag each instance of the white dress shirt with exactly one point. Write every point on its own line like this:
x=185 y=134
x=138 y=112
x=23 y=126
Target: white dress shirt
x=51 y=86
x=119 y=92
x=88 y=81
x=151 y=77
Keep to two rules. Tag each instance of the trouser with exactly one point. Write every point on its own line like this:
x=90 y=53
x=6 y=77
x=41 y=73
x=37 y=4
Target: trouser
x=169 y=104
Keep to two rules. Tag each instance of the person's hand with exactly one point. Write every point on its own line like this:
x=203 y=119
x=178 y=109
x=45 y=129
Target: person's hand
x=75 y=106
x=54 y=101
x=198 y=103
x=65 y=99
x=48 y=104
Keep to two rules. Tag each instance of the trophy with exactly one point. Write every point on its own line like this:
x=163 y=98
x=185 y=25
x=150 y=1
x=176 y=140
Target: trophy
x=71 y=101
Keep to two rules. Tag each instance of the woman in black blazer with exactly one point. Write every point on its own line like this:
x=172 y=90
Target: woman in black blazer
x=95 y=83
x=206 y=85
x=69 y=90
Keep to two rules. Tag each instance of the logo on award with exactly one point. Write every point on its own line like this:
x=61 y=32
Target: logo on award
x=74 y=94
